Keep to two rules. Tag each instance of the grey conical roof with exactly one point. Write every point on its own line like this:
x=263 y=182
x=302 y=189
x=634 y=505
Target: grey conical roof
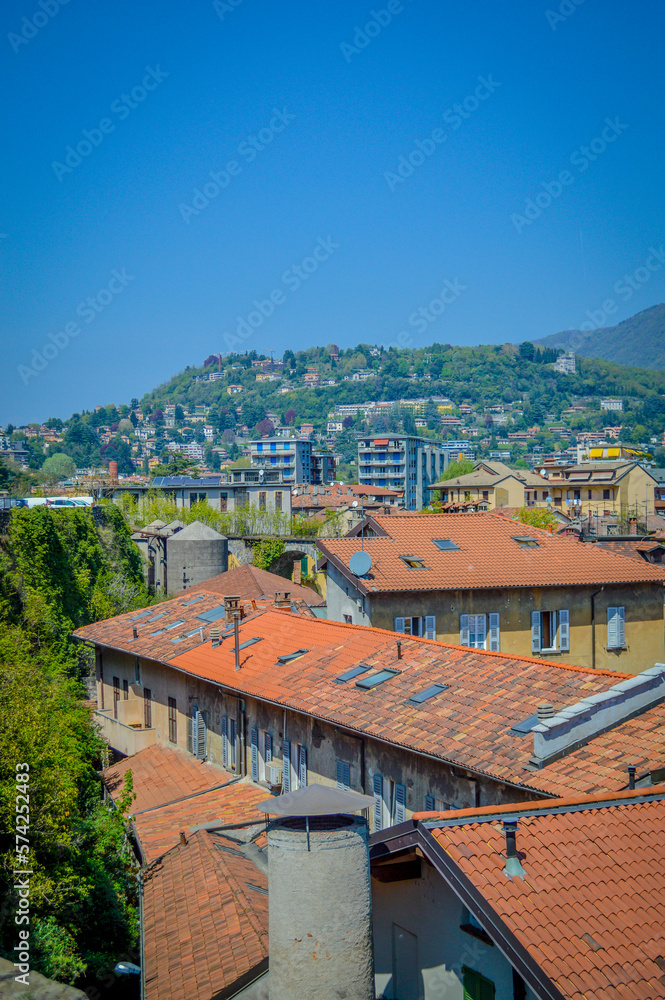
x=196 y=532
x=315 y=800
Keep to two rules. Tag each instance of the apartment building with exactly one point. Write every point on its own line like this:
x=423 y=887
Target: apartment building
x=266 y=490
x=290 y=456
x=603 y=486
x=401 y=462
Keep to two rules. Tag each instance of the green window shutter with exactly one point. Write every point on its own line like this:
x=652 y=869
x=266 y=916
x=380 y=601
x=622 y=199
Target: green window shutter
x=477 y=987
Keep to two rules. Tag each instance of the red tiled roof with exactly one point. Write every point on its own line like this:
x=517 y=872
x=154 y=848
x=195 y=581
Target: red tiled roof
x=205 y=920
x=249 y=582
x=591 y=907
x=488 y=556
x=162 y=774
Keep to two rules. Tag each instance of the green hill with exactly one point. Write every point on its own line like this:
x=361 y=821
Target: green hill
x=638 y=341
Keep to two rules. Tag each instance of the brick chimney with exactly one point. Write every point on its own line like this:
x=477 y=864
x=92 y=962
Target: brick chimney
x=282 y=599
x=231 y=605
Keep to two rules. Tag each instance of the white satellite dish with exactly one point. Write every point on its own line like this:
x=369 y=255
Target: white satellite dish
x=355 y=503
x=360 y=563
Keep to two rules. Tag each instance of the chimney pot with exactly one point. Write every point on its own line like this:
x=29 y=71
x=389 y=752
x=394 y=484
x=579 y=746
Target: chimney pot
x=545 y=711
x=215 y=636
x=399 y=649
x=631 y=776
x=183 y=838
x=513 y=867
x=135 y=633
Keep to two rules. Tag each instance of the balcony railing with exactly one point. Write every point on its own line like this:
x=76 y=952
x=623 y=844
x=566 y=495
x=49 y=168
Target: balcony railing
x=126 y=738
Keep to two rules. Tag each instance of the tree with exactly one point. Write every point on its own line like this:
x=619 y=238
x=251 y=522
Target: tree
x=289 y=417
x=538 y=517
x=409 y=423
x=179 y=412
x=289 y=359
x=527 y=351
x=126 y=426
x=461 y=467
x=59 y=466
x=347 y=422
x=265 y=427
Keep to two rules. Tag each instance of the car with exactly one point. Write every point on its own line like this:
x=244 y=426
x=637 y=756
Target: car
x=61 y=502
x=33 y=502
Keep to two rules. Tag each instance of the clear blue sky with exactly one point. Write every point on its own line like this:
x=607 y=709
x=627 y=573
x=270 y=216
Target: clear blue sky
x=348 y=107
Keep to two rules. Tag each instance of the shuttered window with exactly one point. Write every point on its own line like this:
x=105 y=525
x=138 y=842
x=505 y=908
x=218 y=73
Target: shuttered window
x=400 y=804
x=255 y=754
x=147 y=708
x=535 y=631
x=494 y=634
x=173 y=721
x=430 y=626
x=477 y=987
x=286 y=770
x=343 y=776
x=550 y=630
x=233 y=743
x=100 y=664
x=473 y=631
x=564 y=631
x=616 y=628
x=302 y=767
x=198 y=733
x=429 y=803
x=399 y=625
x=378 y=802
x=116 y=696
x=225 y=740
x=125 y=690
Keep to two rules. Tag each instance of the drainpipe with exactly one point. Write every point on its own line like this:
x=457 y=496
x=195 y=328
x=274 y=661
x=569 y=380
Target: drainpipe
x=141 y=935
x=593 y=627
x=241 y=736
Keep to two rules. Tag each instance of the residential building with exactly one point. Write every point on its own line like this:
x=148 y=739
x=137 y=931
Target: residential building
x=492 y=485
x=488 y=582
x=562 y=899
x=348 y=502
x=233 y=490
x=323 y=467
x=458 y=449
x=603 y=487
x=401 y=462
x=565 y=363
x=234 y=390
x=249 y=583
x=290 y=456
x=300 y=701
x=311 y=378
x=611 y=404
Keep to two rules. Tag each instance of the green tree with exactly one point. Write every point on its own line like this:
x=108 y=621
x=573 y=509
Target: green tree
x=59 y=466
x=461 y=467
x=538 y=517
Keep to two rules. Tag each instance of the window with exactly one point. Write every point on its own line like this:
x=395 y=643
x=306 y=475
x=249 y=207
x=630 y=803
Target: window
x=414 y=562
x=409 y=626
x=375 y=679
x=616 y=628
x=233 y=744
x=430 y=692
x=588 y=494
x=550 y=631
x=576 y=494
x=348 y=619
x=472 y=926
x=173 y=721
x=526 y=541
x=343 y=770
x=116 y=696
x=474 y=632
x=198 y=733
x=286 y=766
x=137 y=664
x=100 y=665
x=486 y=494
x=125 y=690
x=261 y=743
x=445 y=544
x=389 y=802
x=476 y=987
x=435 y=804
x=147 y=708
x=279 y=497
x=262 y=500
x=606 y=494
x=298 y=766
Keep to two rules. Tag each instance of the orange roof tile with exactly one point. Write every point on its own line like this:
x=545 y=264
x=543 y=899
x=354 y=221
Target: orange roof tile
x=205 y=908
x=487 y=557
x=591 y=907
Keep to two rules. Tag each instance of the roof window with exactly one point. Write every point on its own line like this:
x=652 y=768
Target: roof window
x=526 y=541
x=154 y=618
x=142 y=614
x=212 y=615
x=414 y=562
x=445 y=544
x=349 y=675
x=430 y=692
x=248 y=642
x=193 y=601
x=291 y=656
x=371 y=682
x=180 y=621
x=525 y=726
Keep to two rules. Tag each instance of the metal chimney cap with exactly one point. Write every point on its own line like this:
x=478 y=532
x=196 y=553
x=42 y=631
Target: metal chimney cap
x=315 y=800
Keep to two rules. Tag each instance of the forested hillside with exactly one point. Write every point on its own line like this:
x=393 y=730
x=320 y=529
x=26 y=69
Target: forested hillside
x=638 y=341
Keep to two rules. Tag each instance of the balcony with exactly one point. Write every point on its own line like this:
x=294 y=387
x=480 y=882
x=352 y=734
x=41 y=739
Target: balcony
x=125 y=737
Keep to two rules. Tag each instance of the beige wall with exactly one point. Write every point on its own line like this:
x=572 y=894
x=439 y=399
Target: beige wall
x=645 y=636
x=508 y=492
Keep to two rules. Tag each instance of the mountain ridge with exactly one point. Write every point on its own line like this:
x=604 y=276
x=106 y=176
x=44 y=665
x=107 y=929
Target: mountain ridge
x=638 y=341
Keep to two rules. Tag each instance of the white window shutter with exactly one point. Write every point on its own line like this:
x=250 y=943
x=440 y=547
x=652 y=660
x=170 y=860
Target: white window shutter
x=268 y=747
x=495 y=637
x=622 y=626
x=400 y=803
x=535 y=631
x=399 y=625
x=564 y=631
x=378 y=802
x=464 y=630
x=481 y=631
x=302 y=767
x=612 y=630
x=255 y=755
x=225 y=740
x=201 y=735
x=286 y=768
x=430 y=626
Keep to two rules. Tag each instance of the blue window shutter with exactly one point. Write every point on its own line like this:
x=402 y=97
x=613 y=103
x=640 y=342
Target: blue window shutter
x=286 y=771
x=535 y=631
x=268 y=747
x=399 y=625
x=464 y=630
x=429 y=803
x=495 y=636
x=302 y=767
x=430 y=626
x=225 y=740
x=622 y=626
x=255 y=755
x=400 y=803
x=378 y=802
x=564 y=631
x=343 y=775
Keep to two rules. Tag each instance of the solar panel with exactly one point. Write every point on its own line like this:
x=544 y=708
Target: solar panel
x=371 y=682
x=524 y=727
x=212 y=615
x=353 y=672
x=430 y=692
x=446 y=545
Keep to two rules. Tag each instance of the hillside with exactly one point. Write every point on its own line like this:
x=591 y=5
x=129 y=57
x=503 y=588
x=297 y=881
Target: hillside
x=638 y=341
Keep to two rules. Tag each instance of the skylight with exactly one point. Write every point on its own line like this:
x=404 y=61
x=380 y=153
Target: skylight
x=212 y=615
x=445 y=544
x=155 y=617
x=371 y=682
x=142 y=614
x=414 y=562
x=181 y=621
x=193 y=600
x=349 y=675
x=430 y=692
x=525 y=726
x=249 y=642
x=291 y=656
x=187 y=635
x=526 y=541
x=158 y=632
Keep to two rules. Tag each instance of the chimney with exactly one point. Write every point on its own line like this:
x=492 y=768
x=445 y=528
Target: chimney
x=183 y=838
x=135 y=633
x=632 y=526
x=631 y=776
x=399 y=649
x=513 y=867
x=231 y=605
x=282 y=599
x=545 y=711
x=215 y=636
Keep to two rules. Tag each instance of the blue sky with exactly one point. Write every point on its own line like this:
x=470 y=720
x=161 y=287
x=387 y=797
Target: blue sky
x=305 y=115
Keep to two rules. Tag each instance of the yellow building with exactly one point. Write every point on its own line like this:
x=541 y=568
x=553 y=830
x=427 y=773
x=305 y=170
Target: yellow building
x=492 y=485
x=607 y=487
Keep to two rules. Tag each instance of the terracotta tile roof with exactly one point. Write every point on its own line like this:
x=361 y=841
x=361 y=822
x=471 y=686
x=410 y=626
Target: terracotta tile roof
x=205 y=920
x=250 y=582
x=591 y=907
x=636 y=549
x=162 y=774
x=488 y=556
x=467 y=725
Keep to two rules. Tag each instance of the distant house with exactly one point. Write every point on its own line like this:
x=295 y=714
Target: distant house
x=493 y=484
x=234 y=390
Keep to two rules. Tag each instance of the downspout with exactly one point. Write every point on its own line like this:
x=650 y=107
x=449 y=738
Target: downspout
x=241 y=736
x=141 y=935
x=593 y=627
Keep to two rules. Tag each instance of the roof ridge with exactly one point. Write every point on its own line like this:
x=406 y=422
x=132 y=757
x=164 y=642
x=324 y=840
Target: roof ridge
x=538 y=806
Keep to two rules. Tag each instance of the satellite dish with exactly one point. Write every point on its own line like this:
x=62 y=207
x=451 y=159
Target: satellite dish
x=360 y=563
x=355 y=503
